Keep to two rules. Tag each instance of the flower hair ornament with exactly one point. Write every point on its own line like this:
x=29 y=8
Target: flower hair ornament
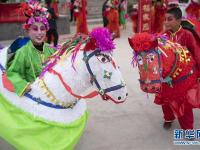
x=34 y=13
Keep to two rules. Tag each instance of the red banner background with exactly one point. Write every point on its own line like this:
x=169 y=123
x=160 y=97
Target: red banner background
x=8 y=13
x=144 y=16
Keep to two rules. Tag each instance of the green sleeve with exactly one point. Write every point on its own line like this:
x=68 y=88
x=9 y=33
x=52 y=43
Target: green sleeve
x=16 y=73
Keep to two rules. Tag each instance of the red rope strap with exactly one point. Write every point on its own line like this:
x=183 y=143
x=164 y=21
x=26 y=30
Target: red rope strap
x=67 y=87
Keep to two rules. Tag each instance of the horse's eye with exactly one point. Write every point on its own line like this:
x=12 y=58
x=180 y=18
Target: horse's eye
x=150 y=58
x=139 y=60
x=103 y=58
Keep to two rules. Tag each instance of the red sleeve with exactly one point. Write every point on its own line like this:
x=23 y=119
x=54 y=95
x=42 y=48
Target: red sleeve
x=193 y=46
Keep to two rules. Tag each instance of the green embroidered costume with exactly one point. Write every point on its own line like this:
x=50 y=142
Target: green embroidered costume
x=27 y=65
x=36 y=133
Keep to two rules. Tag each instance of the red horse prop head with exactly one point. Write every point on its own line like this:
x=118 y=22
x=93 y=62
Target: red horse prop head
x=147 y=57
x=164 y=67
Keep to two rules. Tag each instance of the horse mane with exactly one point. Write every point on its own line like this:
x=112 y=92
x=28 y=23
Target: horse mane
x=71 y=46
x=99 y=38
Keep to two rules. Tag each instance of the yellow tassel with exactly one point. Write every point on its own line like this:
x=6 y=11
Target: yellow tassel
x=52 y=100
x=57 y=102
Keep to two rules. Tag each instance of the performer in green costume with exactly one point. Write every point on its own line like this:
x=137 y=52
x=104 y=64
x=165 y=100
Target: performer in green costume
x=122 y=13
x=28 y=60
x=25 y=130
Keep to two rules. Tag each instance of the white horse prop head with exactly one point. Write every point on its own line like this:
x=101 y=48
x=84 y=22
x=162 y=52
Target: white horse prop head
x=90 y=65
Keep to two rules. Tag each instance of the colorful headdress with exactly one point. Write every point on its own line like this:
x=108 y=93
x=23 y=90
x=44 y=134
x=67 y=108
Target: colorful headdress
x=34 y=13
x=143 y=42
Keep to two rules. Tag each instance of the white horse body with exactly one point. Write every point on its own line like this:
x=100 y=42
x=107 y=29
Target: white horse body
x=79 y=81
x=54 y=109
x=47 y=113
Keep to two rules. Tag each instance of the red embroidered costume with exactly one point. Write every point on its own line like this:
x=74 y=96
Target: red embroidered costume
x=80 y=14
x=185 y=115
x=113 y=18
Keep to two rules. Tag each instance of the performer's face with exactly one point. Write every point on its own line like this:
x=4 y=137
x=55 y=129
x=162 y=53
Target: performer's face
x=37 y=33
x=196 y=1
x=159 y=3
x=171 y=23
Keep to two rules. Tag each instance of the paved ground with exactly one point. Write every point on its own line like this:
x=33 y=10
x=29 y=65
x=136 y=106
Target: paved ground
x=133 y=125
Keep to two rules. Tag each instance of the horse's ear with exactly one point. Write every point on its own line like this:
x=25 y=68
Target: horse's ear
x=130 y=42
x=90 y=45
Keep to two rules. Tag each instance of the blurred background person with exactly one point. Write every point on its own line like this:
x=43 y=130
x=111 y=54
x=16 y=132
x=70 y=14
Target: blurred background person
x=193 y=10
x=134 y=17
x=104 y=12
x=159 y=17
x=52 y=32
x=122 y=13
x=72 y=17
x=113 y=18
x=80 y=13
x=54 y=5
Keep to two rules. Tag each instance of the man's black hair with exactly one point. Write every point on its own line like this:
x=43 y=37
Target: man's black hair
x=176 y=12
x=48 y=2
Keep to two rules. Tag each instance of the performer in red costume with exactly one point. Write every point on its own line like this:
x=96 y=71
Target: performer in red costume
x=134 y=18
x=176 y=33
x=159 y=17
x=113 y=18
x=54 y=5
x=193 y=10
x=80 y=14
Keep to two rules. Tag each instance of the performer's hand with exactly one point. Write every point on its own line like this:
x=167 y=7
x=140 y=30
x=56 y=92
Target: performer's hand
x=28 y=89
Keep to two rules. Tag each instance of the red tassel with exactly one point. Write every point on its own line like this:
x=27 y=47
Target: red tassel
x=193 y=96
x=6 y=83
x=91 y=45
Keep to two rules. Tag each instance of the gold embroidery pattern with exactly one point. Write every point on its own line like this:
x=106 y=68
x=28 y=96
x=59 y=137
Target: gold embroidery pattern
x=183 y=56
x=52 y=97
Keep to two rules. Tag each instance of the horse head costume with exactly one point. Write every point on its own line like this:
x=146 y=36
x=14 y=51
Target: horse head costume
x=83 y=63
x=166 y=69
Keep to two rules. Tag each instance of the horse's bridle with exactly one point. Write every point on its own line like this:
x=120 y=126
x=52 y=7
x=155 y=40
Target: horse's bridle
x=101 y=91
x=168 y=78
x=158 y=53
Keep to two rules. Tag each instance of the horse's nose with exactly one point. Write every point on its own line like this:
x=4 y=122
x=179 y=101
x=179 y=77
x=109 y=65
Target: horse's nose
x=152 y=88
x=119 y=97
x=145 y=88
